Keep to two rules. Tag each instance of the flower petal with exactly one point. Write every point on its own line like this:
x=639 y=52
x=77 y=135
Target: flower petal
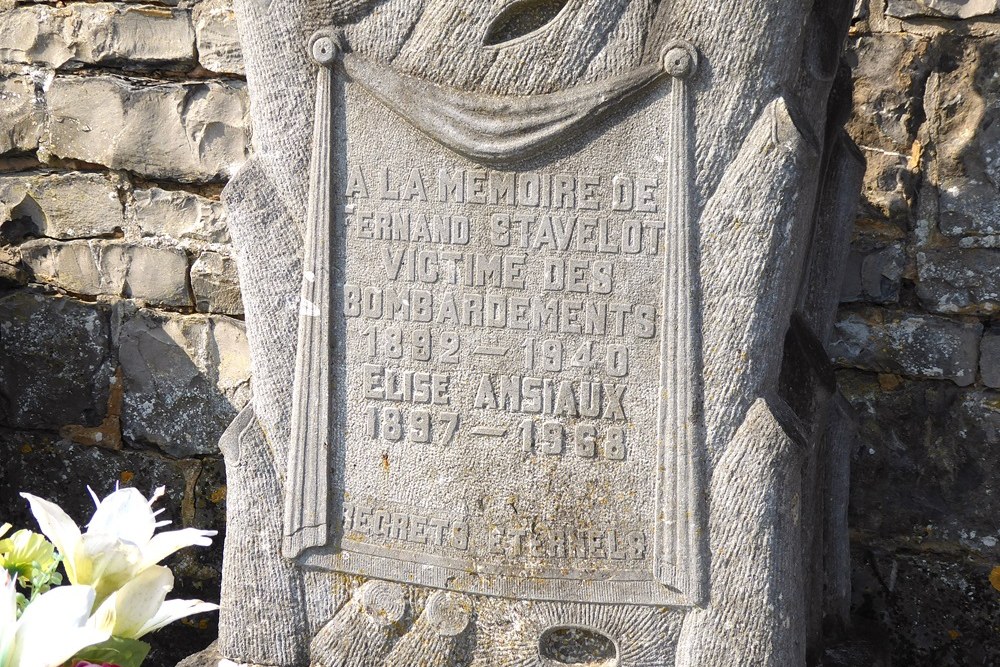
x=4 y=528
x=93 y=494
x=24 y=550
x=126 y=515
x=8 y=616
x=138 y=601
x=164 y=544
x=172 y=610
x=61 y=530
x=54 y=627
x=106 y=563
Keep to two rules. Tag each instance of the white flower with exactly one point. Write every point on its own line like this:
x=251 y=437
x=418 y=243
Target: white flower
x=119 y=543
x=51 y=630
x=139 y=607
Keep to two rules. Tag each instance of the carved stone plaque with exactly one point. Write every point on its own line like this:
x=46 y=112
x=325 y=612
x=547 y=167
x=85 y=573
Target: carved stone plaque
x=511 y=357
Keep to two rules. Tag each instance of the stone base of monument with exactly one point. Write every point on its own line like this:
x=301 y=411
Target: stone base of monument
x=209 y=657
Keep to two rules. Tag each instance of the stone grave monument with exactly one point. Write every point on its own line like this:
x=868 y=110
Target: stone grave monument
x=537 y=293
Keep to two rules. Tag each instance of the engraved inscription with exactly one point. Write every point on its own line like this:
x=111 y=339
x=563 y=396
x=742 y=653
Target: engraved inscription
x=550 y=285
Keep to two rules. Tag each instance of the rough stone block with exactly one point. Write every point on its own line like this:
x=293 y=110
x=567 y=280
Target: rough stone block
x=178 y=215
x=889 y=187
x=949 y=9
x=929 y=463
x=962 y=113
x=12 y=273
x=55 y=361
x=99 y=33
x=21 y=114
x=184 y=132
x=43 y=465
x=963 y=124
x=959 y=281
x=60 y=206
x=185 y=380
x=210 y=506
x=969 y=210
x=989 y=359
x=927 y=608
x=156 y=276
x=911 y=344
x=888 y=72
x=873 y=274
x=216 y=284
x=217 y=37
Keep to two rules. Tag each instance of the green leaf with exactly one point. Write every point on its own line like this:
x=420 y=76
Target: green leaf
x=116 y=651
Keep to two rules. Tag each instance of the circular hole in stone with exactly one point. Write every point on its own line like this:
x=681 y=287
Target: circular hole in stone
x=576 y=647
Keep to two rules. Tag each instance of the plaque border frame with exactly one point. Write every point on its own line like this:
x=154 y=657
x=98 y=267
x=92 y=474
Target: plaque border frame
x=678 y=536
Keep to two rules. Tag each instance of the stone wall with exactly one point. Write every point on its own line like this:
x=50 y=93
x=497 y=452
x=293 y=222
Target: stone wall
x=918 y=340
x=122 y=347
x=123 y=355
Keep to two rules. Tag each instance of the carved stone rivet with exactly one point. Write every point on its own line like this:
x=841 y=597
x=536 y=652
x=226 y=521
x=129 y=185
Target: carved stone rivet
x=324 y=49
x=448 y=613
x=680 y=59
x=383 y=602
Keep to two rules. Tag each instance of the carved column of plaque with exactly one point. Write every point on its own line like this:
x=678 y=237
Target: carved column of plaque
x=306 y=496
x=680 y=416
x=553 y=384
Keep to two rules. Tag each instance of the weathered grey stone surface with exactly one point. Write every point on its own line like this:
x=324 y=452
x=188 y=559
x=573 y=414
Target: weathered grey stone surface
x=60 y=206
x=889 y=72
x=97 y=33
x=21 y=116
x=194 y=366
x=208 y=658
x=929 y=480
x=178 y=215
x=217 y=35
x=757 y=157
x=958 y=9
x=908 y=344
x=757 y=583
x=12 y=274
x=989 y=359
x=55 y=363
x=873 y=275
x=215 y=284
x=942 y=606
x=969 y=211
x=183 y=132
x=959 y=281
x=156 y=276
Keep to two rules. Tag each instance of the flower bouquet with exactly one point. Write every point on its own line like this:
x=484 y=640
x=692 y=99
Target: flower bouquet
x=116 y=592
